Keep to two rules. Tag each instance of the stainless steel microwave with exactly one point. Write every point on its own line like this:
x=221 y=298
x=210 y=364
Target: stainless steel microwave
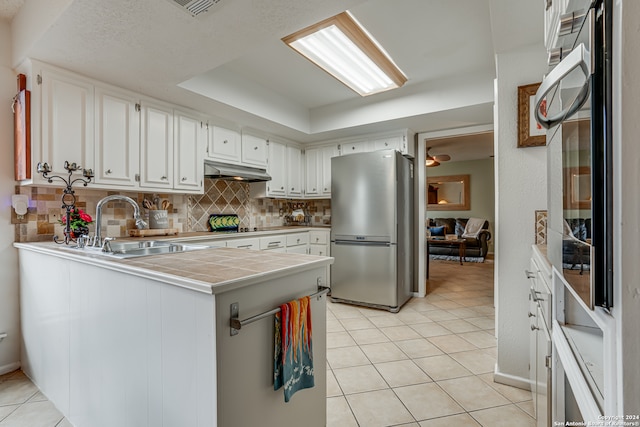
x=574 y=103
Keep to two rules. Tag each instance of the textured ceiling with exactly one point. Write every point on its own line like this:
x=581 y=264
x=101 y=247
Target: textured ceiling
x=8 y=8
x=231 y=64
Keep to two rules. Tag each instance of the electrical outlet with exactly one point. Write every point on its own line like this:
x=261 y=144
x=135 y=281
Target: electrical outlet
x=18 y=219
x=54 y=216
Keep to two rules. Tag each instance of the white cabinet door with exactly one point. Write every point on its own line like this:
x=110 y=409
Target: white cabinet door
x=303 y=249
x=354 y=147
x=294 y=171
x=254 y=150
x=392 y=142
x=313 y=171
x=156 y=149
x=327 y=153
x=319 y=250
x=117 y=137
x=224 y=145
x=67 y=121
x=190 y=139
x=277 y=169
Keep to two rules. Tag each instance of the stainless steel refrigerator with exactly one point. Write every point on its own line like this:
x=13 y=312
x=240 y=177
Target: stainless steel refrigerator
x=372 y=229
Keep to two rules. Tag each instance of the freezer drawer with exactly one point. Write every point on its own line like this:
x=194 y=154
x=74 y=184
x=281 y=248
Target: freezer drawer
x=364 y=273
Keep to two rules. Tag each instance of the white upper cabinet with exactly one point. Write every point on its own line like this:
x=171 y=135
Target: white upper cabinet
x=393 y=142
x=224 y=145
x=156 y=145
x=277 y=169
x=254 y=150
x=327 y=153
x=318 y=170
x=67 y=121
x=354 y=147
x=312 y=171
x=189 y=142
x=117 y=137
x=295 y=175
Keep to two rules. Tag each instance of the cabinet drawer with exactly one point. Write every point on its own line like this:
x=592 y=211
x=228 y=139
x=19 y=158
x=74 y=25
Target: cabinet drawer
x=297 y=239
x=250 y=243
x=298 y=250
x=318 y=237
x=319 y=250
x=272 y=242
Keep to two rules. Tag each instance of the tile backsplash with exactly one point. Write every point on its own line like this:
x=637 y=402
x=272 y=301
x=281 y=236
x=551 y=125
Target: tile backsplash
x=186 y=212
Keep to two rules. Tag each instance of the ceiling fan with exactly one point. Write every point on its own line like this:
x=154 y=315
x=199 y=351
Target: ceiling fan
x=434 y=160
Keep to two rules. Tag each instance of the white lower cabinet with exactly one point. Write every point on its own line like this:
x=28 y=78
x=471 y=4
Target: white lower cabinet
x=319 y=246
x=298 y=243
x=245 y=243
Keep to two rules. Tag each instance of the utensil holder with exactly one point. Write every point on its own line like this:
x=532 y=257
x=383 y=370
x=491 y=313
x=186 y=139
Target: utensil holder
x=158 y=219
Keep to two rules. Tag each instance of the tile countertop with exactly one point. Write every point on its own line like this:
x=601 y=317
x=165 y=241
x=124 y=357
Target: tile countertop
x=210 y=271
x=209 y=235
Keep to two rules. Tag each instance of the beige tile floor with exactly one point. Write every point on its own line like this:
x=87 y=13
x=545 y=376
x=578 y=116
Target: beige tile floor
x=430 y=365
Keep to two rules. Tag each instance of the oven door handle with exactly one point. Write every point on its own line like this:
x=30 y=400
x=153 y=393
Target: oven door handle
x=577 y=58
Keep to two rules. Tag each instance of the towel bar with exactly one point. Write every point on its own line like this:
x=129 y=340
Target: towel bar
x=237 y=324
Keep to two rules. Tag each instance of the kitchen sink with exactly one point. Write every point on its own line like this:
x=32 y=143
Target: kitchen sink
x=130 y=249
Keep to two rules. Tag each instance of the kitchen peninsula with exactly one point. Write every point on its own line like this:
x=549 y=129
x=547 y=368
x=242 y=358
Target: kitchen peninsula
x=147 y=340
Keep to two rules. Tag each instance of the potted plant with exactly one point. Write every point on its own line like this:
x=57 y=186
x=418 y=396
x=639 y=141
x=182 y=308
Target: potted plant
x=79 y=222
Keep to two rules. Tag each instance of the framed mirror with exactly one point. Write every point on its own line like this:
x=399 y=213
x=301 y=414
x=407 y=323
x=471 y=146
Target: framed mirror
x=448 y=193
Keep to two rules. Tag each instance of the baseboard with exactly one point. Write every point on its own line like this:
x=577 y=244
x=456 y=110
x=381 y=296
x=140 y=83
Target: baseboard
x=513 y=381
x=9 y=368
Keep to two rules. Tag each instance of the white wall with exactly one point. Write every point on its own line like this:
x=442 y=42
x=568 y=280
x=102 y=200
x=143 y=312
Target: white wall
x=520 y=190
x=9 y=303
x=626 y=159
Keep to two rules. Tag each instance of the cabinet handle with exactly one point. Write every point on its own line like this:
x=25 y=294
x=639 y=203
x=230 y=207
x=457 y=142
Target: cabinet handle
x=353 y=148
x=255 y=148
x=108 y=172
x=297 y=240
x=313 y=189
x=184 y=178
x=530 y=314
x=225 y=141
x=292 y=188
x=325 y=189
x=317 y=239
x=386 y=144
x=529 y=274
x=282 y=188
x=534 y=328
x=164 y=178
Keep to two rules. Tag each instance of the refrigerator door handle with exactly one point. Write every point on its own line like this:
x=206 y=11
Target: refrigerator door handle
x=359 y=243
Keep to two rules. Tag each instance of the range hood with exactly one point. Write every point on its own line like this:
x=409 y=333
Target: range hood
x=234 y=172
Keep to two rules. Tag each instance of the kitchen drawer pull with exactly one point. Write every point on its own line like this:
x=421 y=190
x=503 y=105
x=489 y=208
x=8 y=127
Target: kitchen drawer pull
x=530 y=314
x=225 y=141
x=164 y=178
x=184 y=178
x=243 y=246
x=274 y=243
x=108 y=172
x=530 y=274
x=534 y=328
x=255 y=148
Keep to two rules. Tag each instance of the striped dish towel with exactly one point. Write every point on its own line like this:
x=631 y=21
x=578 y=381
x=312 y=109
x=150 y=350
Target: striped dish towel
x=293 y=353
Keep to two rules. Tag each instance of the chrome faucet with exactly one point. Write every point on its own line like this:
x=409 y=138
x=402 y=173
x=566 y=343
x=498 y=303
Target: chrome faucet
x=140 y=223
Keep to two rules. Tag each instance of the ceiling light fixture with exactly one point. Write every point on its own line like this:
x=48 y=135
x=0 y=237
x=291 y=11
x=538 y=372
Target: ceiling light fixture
x=343 y=48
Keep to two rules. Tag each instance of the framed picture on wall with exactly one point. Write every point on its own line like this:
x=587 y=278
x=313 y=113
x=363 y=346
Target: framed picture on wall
x=530 y=133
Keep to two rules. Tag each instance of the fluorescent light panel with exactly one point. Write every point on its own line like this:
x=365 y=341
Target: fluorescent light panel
x=343 y=48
